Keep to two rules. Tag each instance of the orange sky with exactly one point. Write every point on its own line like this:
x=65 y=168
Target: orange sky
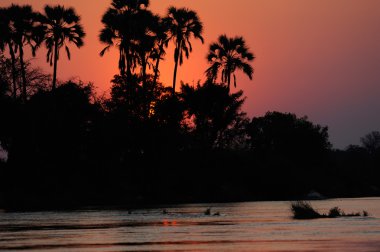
x=319 y=58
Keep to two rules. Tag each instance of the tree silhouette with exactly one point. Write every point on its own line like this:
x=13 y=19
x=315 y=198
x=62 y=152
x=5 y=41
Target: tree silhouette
x=159 y=51
x=36 y=78
x=6 y=39
x=183 y=25
x=119 y=26
x=61 y=26
x=211 y=110
x=145 y=39
x=144 y=44
x=371 y=142
x=4 y=83
x=286 y=135
x=27 y=31
x=228 y=55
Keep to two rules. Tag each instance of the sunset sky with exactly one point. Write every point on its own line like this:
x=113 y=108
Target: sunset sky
x=319 y=58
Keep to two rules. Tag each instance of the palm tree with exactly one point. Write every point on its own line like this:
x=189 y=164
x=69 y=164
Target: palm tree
x=183 y=25
x=158 y=50
x=26 y=31
x=227 y=55
x=6 y=31
x=119 y=24
x=61 y=26
x=144 y=40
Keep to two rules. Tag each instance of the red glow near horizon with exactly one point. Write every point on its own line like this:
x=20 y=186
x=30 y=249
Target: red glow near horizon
x=319 y=58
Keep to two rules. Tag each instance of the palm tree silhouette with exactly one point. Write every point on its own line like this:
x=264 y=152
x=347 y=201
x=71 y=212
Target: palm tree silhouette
x=61 y=25
x=143 y=44
x=227 y=55
x=144 y=39
x=119 y=26
x=162 y=40
x=26 y=31
x=6 y=39
x=183 y=25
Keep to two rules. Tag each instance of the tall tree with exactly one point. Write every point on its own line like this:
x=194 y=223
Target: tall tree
x=228 y=55
x=183 y=25
x=159 y=49
x=144 y=40
x=27 y=31
x=61 y=25
x=6 y=39
x=119 y=26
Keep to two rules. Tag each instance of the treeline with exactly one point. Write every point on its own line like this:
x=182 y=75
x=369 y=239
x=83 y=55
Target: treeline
x=147 y=142
x=68 y=148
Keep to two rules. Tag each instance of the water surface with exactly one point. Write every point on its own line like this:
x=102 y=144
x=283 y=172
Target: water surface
x=248 y=226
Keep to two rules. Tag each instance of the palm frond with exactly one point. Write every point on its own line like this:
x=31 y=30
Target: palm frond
x=68 y=52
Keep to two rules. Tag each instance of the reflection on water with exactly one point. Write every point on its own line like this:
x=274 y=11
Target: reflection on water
x=250 y=226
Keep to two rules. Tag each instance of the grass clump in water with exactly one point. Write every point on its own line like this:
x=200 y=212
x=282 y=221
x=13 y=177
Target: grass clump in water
x=336 y=212
x=304 y=210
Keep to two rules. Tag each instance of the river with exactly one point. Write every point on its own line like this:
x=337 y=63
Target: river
x=246 y=226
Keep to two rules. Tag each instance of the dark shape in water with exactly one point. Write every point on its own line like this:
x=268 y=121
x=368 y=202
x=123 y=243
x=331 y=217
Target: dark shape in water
x=303 y=210
x=208 y=211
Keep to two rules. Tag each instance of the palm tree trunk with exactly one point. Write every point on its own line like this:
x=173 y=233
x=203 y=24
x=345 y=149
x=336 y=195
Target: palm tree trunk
x=176 y=58
x=121 y=58
x=13 y=61
x=55 y=65
x=23 y=74
x=128 y=77
x=156 y=68
x=129 y=71
x=143 y=72
x=156 y=72
x=128 y=63
x=229 y=82
x=146 y=100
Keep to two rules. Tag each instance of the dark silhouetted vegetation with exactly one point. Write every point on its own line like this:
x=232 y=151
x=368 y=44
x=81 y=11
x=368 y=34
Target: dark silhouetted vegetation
x=183 y=24
x=146 y=143
x=25 y=31
x=227 y=56
x=303 y=210
x=61 y=25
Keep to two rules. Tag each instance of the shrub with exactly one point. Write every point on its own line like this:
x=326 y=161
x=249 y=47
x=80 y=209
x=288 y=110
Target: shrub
x=335 y=212
x=303 y=210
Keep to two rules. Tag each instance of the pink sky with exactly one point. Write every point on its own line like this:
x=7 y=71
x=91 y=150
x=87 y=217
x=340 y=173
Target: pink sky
x=319 y=58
